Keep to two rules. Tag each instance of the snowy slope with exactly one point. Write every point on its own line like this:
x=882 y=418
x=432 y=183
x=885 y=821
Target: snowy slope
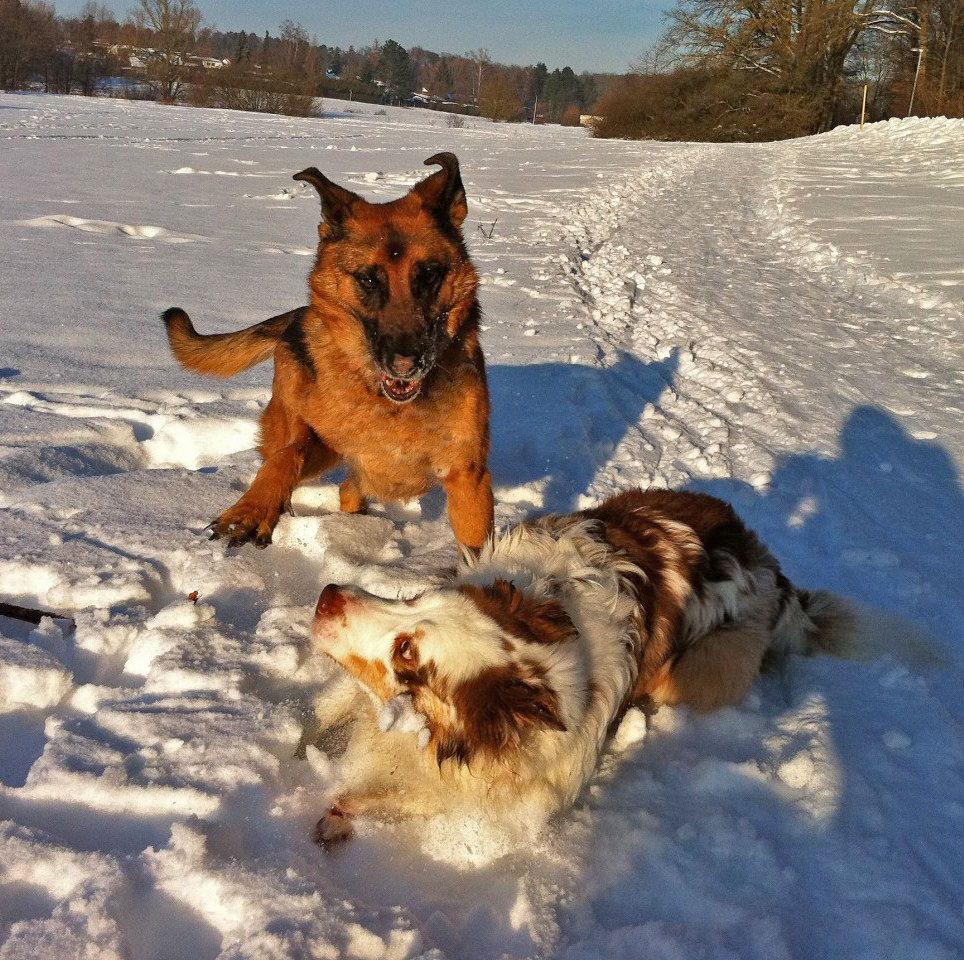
x=718 y=316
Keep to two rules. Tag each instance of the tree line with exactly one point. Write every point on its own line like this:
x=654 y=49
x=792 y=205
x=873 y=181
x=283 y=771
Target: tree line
x=724 y=69
x=163 y=49
x=767 y=69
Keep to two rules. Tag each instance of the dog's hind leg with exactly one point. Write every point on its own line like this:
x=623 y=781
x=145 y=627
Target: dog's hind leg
x=716 y=670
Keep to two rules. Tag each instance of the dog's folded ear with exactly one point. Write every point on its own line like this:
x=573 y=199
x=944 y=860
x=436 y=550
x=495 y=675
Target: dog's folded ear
x=498 y=706
x=442 y=192
x=336 y=202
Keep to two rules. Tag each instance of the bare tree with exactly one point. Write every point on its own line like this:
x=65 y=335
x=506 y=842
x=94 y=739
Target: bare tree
x=480 y=58
x=28 y=37
x=174 y=26
x=925 y=40
x=801 y=47
x=92 y=62
x=950 y=47
x=295 y=43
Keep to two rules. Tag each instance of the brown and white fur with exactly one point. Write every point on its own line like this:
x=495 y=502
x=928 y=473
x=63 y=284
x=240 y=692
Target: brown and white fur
x=523 y=662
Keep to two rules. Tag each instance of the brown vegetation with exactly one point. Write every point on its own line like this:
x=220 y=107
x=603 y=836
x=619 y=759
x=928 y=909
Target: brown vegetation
x=571 y=116
x=238 y=87
x=693 y=104
x=498 y=99
x=764 y=69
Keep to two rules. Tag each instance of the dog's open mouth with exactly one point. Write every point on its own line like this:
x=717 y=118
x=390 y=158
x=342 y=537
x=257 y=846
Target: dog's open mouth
x=398 y=390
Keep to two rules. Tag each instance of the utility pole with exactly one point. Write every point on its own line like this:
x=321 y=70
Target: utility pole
x=913 y=89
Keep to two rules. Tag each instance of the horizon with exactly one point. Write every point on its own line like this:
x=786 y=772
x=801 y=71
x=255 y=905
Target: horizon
x=604 y=39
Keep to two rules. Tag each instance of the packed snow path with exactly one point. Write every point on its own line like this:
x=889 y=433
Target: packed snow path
x=655 y=314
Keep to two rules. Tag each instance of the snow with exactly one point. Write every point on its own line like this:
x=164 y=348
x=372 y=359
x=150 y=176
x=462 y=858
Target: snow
x=776 y=324
x=399 y=714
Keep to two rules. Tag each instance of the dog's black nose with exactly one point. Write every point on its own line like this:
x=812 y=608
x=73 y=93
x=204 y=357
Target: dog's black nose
x=330 y=603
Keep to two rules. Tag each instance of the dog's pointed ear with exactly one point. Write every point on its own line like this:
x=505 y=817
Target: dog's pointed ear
x=336 y=201
x=442 y=192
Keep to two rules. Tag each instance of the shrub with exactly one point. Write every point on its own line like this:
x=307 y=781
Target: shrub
x=694 y=104
x=498 y=99
x=235 y=88
x=570 y=118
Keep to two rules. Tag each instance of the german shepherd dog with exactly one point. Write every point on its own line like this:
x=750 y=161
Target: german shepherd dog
x=382 y=370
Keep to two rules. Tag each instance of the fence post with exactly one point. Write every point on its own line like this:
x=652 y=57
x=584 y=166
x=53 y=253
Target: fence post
x=863 y=108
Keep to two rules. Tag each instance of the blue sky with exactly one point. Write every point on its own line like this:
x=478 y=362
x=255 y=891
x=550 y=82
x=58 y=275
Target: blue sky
x=585 y=34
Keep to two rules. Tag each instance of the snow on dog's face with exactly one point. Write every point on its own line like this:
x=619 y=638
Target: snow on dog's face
x=475 y=660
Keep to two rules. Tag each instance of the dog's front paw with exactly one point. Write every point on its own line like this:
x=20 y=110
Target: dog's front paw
x=333 y=828
x=399 y=714
x=246 y=523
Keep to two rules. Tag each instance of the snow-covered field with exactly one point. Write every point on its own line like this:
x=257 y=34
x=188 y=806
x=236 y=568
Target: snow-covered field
x=780 y=325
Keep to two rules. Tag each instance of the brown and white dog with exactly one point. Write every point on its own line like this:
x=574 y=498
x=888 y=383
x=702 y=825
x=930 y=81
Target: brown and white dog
x=521 y=665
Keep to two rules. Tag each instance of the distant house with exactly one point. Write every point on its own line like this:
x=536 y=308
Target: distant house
x=208 y=63
x=332 y=74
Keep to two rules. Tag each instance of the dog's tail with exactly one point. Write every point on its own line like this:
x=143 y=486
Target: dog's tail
x=225 y=354
x=815 y=621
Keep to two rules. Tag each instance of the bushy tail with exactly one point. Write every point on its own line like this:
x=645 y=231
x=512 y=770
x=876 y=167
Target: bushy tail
x=225 y=354
x=815 y=621
x=833 y=623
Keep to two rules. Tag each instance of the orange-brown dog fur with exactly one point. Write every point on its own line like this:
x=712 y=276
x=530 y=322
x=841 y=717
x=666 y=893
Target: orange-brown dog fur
x=326 y=405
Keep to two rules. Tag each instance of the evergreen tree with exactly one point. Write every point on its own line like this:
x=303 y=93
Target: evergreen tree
x=539 y=79
x=396 y=69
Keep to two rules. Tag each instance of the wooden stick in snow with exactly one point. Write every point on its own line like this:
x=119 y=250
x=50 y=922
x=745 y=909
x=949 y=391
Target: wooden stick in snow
x=30 y=615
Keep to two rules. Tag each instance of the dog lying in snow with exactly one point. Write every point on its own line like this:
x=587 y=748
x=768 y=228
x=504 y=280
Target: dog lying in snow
x=521 y=665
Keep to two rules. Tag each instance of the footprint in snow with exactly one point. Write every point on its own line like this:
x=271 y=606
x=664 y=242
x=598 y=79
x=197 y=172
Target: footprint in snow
x=106 y=227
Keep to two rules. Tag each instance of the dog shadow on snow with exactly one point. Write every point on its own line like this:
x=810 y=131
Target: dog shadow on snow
x=861 y=759
x=555 y=424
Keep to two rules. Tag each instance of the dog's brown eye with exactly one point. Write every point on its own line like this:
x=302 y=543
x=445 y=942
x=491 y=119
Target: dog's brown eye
x=366 y=281
x=427 y=279
x=404 y=649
